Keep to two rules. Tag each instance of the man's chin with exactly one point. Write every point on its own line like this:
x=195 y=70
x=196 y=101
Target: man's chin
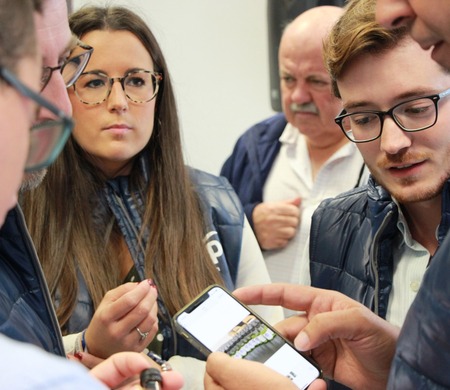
x=416 y=194
x=31 y=180
x=412 y=190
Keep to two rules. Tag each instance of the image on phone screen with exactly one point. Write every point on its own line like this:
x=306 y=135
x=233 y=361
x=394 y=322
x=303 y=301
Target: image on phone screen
x=219 y=322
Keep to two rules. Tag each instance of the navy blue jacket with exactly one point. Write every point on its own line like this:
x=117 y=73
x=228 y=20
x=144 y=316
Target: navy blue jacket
x=422 y=358
x=251 y=161
x=224 y=223
x=351 y=244
x=26 y=309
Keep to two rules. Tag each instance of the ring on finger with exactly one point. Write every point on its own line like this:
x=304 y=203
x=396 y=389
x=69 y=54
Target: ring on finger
x=166 y=367
x=142 y=334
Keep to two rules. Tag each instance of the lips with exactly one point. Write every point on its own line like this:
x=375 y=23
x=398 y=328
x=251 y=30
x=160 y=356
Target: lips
x=402 y=166
x=406 y=170
x=117 y=126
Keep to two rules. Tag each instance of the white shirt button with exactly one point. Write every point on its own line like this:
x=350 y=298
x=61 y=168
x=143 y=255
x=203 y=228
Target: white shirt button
x=414 y=285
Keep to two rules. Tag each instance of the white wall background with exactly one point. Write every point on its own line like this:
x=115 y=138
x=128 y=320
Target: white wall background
x=217 y=53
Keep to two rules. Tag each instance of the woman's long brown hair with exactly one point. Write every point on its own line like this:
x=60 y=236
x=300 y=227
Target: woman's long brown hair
x=74 y=230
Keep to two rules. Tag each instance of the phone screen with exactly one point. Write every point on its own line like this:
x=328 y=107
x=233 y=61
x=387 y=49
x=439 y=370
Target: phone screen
x=221 y=323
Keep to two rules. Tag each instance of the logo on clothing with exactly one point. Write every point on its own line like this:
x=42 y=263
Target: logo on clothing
x=214 y=247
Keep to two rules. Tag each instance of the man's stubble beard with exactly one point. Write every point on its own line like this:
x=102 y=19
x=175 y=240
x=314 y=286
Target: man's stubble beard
x=409 y=192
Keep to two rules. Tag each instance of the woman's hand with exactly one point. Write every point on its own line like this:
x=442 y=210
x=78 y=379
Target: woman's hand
x=126 y=320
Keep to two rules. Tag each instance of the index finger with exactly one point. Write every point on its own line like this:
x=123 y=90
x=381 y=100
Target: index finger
x=292 y=326
x=125 y=303
x=294 y=297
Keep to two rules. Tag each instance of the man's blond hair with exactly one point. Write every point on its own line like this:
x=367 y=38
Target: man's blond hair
x=357 y=33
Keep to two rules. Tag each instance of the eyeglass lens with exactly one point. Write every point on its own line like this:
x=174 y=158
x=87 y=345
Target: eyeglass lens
x=46 y=138
x=410 y=116
x=73 y=67
x=46 y=142
x=70 y=70
x=139 y=86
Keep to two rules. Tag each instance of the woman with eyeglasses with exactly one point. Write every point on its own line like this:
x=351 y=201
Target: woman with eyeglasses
x=119 y=206
x=27 y=323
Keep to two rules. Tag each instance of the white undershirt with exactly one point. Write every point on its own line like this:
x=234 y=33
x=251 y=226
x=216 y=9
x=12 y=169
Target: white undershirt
x=410 y=263
x=252 y=270
x=290 y=177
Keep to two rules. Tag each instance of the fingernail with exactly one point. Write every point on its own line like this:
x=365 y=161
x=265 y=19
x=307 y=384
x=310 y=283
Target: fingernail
x=302 y=342
x=78 y=355
x=151 y=283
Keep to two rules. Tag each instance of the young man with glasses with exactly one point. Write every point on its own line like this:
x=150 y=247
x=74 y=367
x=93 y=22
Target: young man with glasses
x=21 y=310
x=374 y=244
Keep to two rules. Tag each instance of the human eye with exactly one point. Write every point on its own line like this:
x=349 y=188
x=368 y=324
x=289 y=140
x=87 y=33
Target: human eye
x=92 y=81
x=288 y=80
x=363 y=120
x=318 y=82
x=416 y=108
x=74 y=61
x=137 y=80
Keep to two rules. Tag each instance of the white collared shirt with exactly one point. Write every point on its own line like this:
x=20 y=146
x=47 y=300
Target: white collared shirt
x=410 y=263
x=291 y=177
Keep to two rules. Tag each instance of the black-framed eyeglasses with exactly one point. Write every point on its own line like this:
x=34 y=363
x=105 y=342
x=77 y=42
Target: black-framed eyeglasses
x=70 y=69
x=47 y=138
x=412 y=115
x=139 y=85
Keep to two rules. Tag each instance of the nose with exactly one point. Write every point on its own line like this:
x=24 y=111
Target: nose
x=300 y=93
x=394 y=13
x=56 y=92
x=393 y=138
x=117 y=100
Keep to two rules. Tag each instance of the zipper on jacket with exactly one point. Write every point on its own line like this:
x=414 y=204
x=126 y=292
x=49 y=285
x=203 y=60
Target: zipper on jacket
x=41 y=279
x=374 y=259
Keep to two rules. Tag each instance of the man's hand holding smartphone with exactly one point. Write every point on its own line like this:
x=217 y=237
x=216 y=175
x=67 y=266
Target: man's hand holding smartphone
x=217 y=321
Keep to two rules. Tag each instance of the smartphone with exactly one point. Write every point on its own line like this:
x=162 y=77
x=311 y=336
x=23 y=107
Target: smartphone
x=217 y=321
